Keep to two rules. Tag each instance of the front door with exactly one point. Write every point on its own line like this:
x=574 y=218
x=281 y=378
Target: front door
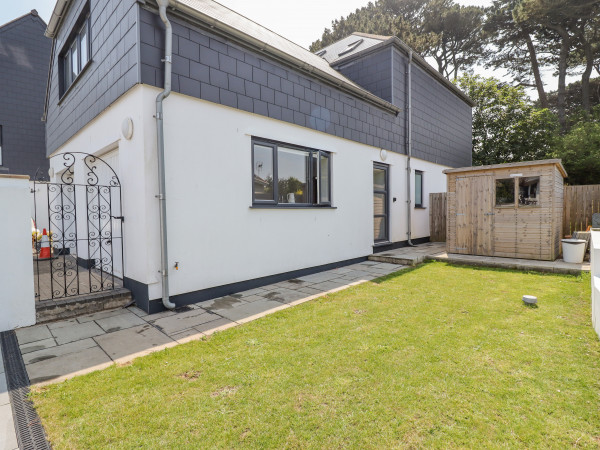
x=381 y=232
x=474 y=215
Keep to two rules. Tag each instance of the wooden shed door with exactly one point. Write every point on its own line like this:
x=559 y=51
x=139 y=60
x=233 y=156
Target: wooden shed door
x=474 y=215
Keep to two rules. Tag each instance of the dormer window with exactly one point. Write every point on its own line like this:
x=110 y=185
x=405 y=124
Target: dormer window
x=76 y=53
x=352 y=46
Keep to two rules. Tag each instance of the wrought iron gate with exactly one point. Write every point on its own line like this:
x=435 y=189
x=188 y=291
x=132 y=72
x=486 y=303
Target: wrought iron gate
x=80 y=208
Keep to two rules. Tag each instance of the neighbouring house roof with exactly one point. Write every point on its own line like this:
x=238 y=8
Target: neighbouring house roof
x=358 y=44
x=516 y=165
x=33 y=13
x=229 y=22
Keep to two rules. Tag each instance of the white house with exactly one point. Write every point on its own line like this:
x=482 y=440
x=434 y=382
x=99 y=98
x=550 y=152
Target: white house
x=277 y=161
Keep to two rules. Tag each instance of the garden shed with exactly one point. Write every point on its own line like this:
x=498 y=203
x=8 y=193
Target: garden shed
x=511 y=210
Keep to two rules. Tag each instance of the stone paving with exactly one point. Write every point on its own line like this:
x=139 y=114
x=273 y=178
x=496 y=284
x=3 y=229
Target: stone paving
x=437 y=251
x=75 y=280
x=61 y=350
x=8 y=436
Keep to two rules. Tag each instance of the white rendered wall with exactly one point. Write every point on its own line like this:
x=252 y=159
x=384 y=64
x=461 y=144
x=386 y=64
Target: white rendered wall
x=215 y=235
x=137 y=172
x=17 y=298
x=595 y=272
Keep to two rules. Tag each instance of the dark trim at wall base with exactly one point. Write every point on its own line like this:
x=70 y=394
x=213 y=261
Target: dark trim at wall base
x=86 y=263
x=155 y=306
x=139 y=292
x=399 y=244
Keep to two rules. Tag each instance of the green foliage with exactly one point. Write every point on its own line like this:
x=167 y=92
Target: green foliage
x=506 y=126
x=579 y=150
x=574 y=104
x=446 y=31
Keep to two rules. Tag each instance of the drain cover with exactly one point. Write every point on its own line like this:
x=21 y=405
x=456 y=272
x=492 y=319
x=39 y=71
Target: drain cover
x=30 y=432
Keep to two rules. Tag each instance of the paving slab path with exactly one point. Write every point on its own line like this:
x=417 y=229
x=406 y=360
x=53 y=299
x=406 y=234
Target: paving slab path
x=60 y=350
x=8 y=435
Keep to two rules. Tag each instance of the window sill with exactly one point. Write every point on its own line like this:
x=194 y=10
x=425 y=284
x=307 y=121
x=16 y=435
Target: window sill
x=420 y=207
x=381 y=244
x=75 y=81
x=291 y=207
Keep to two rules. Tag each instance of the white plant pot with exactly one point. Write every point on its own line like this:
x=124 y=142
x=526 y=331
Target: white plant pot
x=573 y=250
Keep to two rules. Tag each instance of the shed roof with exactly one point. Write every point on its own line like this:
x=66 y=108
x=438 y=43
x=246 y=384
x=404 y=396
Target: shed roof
x=540 y=162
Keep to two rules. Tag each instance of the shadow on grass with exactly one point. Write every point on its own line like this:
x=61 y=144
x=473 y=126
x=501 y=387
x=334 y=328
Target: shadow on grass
x=459 y=265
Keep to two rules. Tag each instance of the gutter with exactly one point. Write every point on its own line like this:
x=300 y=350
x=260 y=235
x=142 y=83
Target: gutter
x=160 y=144
x=58 y=14
x=245 y=39
x=409 y=148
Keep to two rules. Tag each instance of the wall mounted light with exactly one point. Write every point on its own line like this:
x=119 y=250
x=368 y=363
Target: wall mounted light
x=127 y=128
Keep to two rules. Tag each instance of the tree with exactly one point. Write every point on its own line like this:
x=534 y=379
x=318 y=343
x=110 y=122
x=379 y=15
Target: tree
x=442 y=29
x=563 y=20
x=515 y=46
x=506 y=126
x=574 y=100
x=457 y=35
x=580 y=153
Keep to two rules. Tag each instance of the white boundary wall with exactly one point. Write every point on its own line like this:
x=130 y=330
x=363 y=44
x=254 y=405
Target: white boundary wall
x=595 y=269
x=17 y=297
x=214 y=234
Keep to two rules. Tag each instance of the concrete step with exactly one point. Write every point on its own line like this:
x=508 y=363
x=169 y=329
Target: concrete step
x=67 y=308
x=406 y=260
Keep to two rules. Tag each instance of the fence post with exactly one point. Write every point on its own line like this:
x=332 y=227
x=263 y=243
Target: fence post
x=17 y=301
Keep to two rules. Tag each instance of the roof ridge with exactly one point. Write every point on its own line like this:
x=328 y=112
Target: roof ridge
x=33 y=13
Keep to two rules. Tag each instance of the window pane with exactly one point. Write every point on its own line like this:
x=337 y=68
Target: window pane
x=418 y=189
x=379 y=203
x=379 y=228
x=74 y=61
x=505 y=192
x=67 y=70
x=324 y=181
x=379 y=181
x=263 y=173
x=83 y=39
x=529 y=191
x=292 y=172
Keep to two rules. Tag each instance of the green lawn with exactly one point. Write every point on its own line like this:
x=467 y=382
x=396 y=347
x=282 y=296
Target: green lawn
x=439 y=356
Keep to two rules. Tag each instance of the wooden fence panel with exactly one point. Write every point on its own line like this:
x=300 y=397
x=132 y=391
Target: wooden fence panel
x=580 y=202
x=437 y=217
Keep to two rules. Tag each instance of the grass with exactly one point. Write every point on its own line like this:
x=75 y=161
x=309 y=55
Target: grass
x=438 y=356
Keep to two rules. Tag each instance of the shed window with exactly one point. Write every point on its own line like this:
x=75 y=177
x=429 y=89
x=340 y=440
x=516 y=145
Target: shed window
x=529 y=188
x=505 y=192
x=76 y=53
x=290 y=175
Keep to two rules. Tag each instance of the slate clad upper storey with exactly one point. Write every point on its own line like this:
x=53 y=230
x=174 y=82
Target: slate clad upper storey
x=223 y=57
x=441 y=116
x=112 y=70
x=24 y=58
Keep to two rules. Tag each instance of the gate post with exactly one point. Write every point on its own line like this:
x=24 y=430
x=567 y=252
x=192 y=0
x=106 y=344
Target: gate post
x=17 y=301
